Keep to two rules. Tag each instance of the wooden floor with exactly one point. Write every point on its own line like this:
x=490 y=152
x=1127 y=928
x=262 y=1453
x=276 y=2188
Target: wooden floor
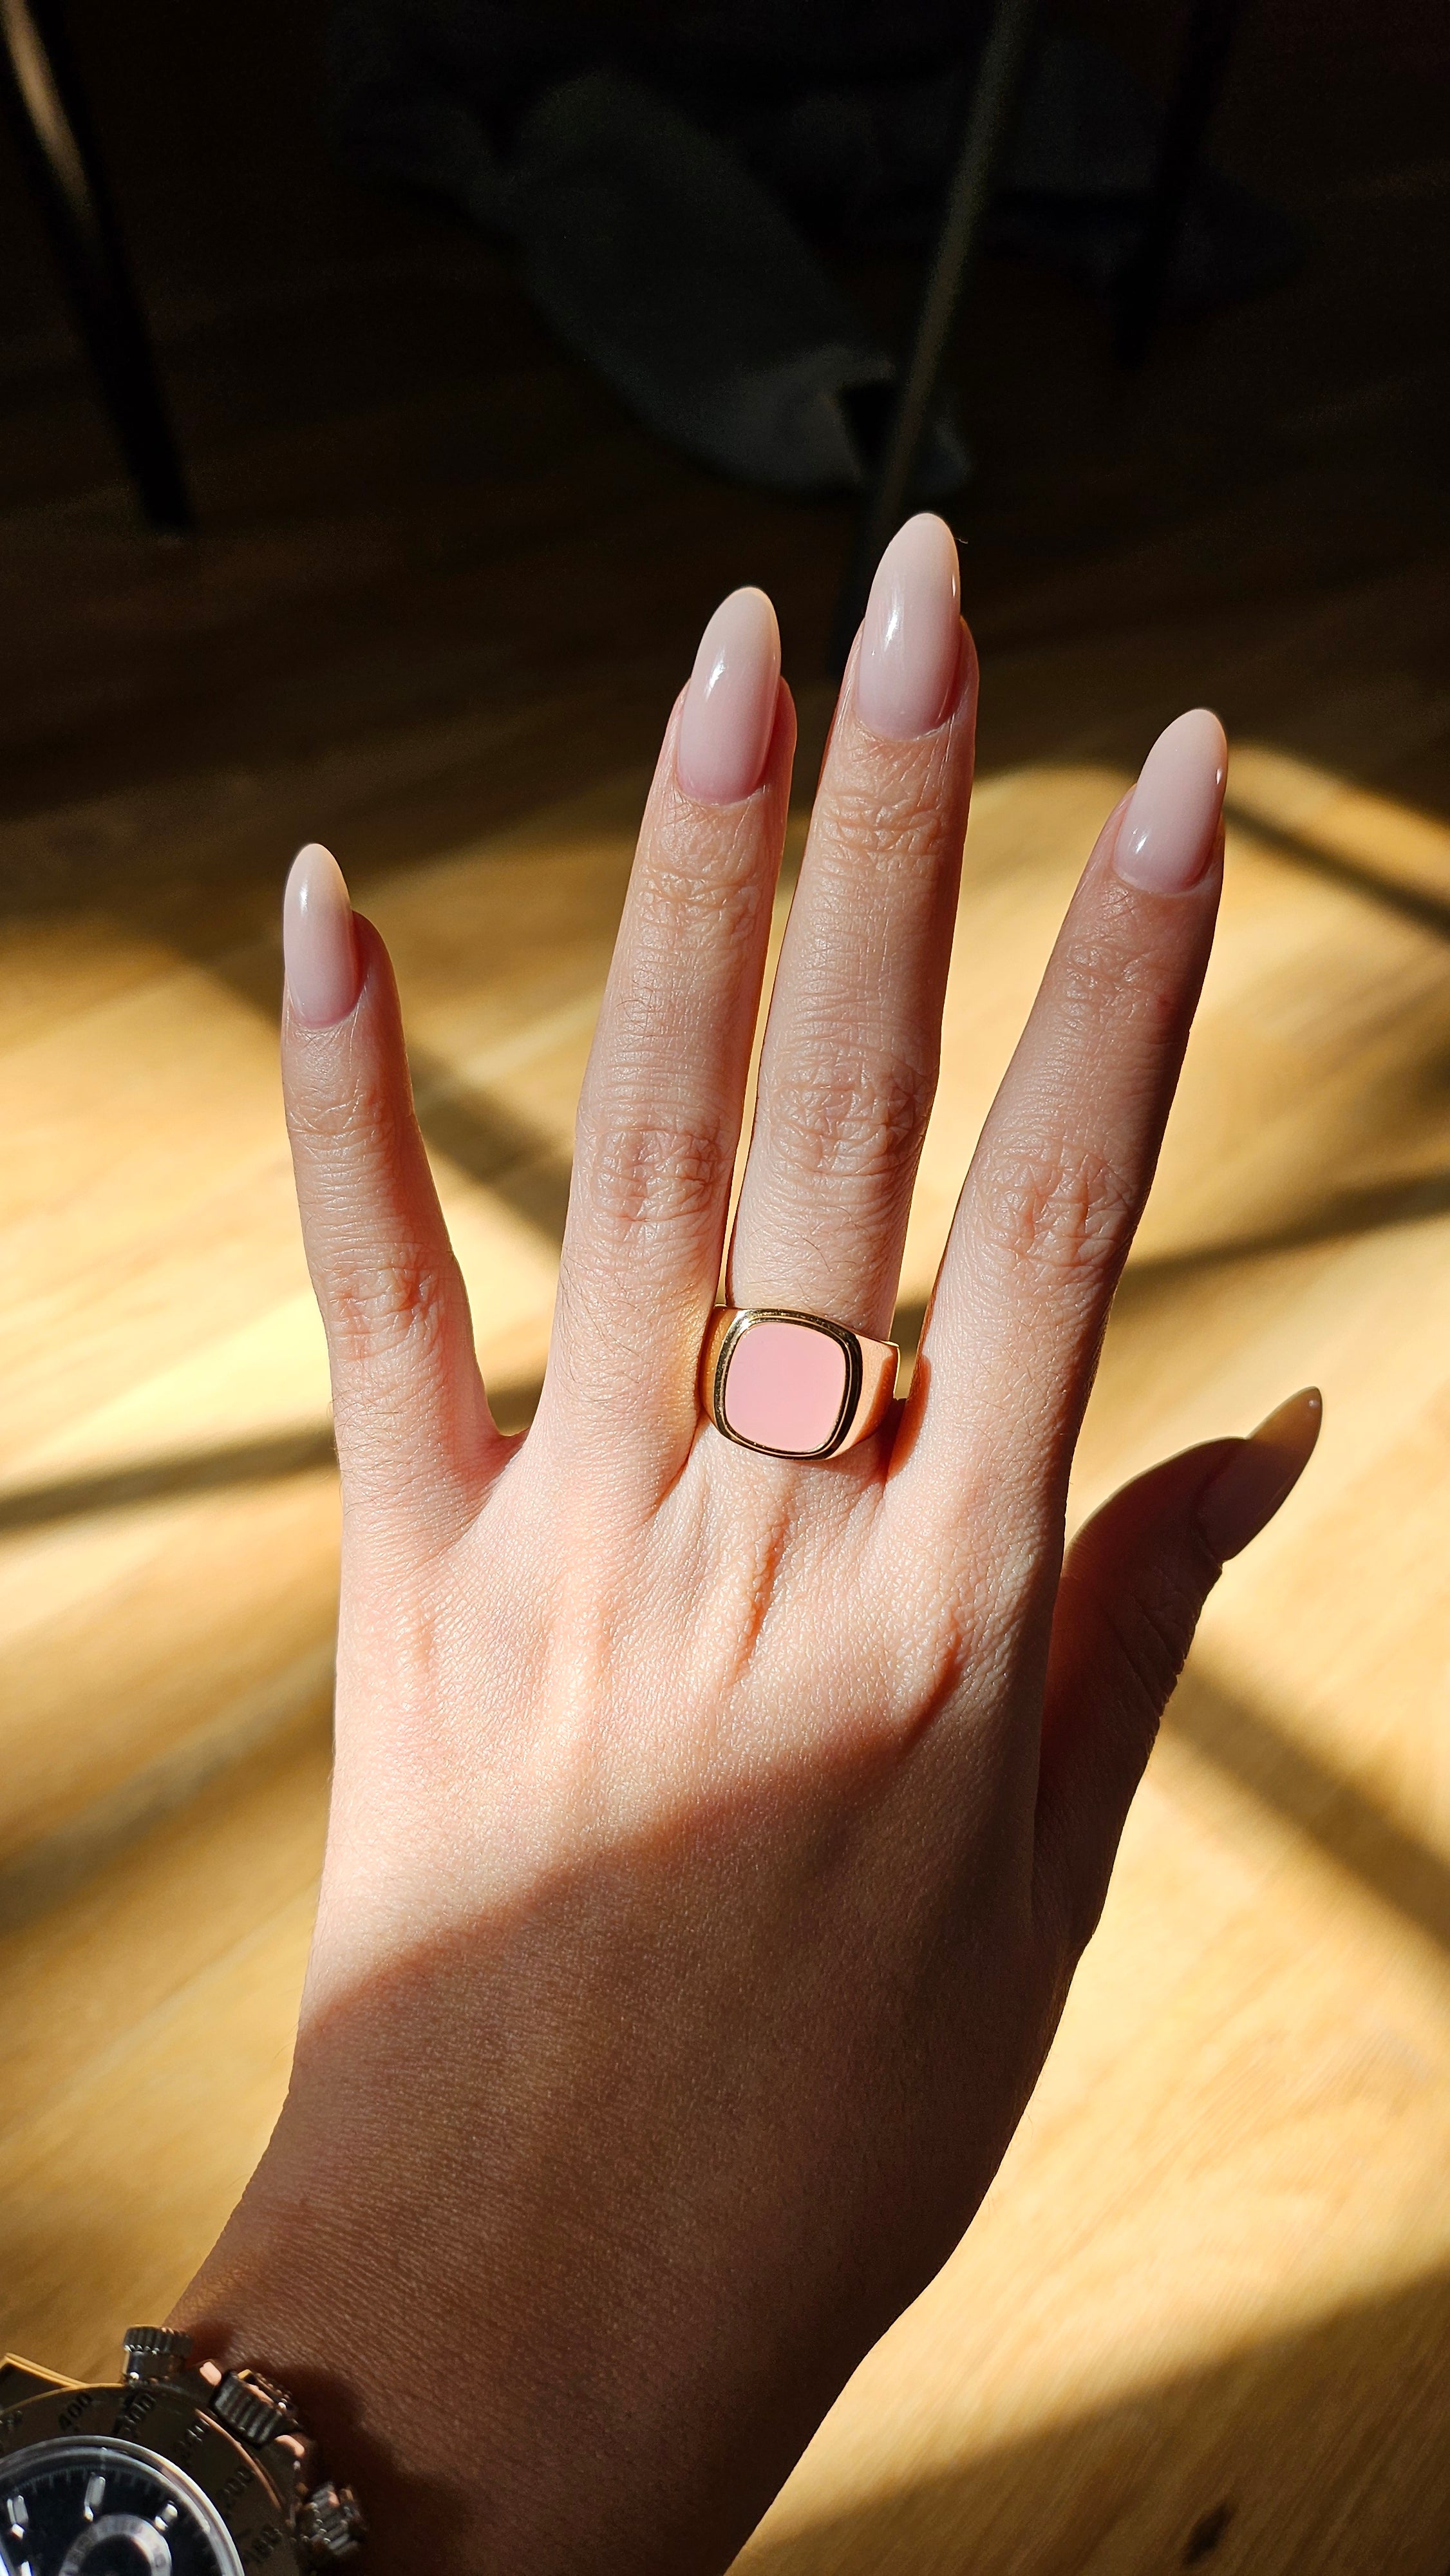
x=442 y=596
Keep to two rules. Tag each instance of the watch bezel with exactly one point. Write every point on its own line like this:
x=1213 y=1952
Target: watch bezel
x=162 y=2422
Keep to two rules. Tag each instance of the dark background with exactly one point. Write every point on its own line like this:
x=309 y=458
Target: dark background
x=410 y=497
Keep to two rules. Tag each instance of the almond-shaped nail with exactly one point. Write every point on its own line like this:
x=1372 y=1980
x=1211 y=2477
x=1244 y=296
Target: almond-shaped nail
x=911 y=635
x=1261 y=1474
x=1170 y=830
x=319 y=948
x=729 y=712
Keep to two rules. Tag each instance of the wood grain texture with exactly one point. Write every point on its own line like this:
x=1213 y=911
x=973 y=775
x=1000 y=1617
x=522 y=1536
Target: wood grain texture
x=443 y=595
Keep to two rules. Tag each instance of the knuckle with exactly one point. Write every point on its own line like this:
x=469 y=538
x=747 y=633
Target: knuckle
x=376 y=1293
x=898 y=825
x=1062 y=1210
x=1153 y=1623
x=376 y=1307
x=695 y=907
x=1103 y=981
x=860 y=1119
x=361 y=1119
x=653 y=1173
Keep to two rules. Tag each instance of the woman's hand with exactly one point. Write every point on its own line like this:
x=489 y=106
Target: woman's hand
x=714 y=1836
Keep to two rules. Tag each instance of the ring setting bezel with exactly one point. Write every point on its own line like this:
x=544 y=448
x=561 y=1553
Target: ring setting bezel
x=729 y=1329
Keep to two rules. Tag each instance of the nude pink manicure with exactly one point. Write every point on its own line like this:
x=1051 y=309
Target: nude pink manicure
x=911 y=635
x=1168 y=834
x=729 y=712
x=319 y=948
x=1261 y=1474
x=785 y=1386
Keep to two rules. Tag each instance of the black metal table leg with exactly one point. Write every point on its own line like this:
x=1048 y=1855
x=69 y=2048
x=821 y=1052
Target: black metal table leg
x=1143 y=285
x=65 y=165
x=988 y=128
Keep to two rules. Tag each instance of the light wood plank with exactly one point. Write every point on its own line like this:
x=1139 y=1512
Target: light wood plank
x=437 y=614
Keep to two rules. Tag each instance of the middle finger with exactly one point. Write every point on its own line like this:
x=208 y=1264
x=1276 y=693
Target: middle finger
x=849 y=1063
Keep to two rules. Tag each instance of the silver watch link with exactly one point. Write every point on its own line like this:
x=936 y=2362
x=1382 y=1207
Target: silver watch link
x=174 y=2470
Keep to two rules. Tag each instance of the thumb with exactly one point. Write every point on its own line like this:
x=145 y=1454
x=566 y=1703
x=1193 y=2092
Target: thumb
x=1133 y=1586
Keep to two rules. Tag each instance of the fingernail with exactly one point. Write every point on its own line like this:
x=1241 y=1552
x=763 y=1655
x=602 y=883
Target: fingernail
x=1261 y=1474
x=318 y=945
x=1169 y=832
x=729 y=711
x=911 y=635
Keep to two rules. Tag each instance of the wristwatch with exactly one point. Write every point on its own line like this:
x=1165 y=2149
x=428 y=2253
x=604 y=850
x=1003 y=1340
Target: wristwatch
x=171 y=2471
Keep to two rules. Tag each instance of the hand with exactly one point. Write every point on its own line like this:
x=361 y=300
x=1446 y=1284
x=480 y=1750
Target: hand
x=714 y=1836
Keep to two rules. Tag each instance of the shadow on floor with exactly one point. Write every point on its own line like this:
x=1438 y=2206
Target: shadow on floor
x=158 y=1480
x=495 y=1143
x=1258 y=2465
x=1335 y=1814
x=1413 y=903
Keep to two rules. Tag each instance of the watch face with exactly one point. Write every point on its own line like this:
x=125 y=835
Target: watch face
x=77 y=2508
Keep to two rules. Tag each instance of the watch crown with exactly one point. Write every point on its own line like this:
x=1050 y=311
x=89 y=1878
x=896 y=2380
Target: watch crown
x=254 y=2407
x=154 y=2352
x=331 y=2525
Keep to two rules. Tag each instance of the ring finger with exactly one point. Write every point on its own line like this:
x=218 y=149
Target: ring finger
x=849 y=1064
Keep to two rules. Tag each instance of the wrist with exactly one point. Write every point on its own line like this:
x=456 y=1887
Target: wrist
x=485 y=2423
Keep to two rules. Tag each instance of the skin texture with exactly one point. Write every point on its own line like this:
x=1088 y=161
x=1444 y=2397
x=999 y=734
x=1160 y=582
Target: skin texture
x=713 y=1837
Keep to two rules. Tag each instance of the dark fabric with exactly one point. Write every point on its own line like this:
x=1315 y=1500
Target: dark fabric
x=669 y=174
x=646 y=236
x=717 y=63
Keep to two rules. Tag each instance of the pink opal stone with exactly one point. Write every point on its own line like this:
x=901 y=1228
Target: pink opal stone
x=784 y=1387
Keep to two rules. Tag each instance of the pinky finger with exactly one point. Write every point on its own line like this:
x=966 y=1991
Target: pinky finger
x=1132 y=1590
x=414 y=1433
